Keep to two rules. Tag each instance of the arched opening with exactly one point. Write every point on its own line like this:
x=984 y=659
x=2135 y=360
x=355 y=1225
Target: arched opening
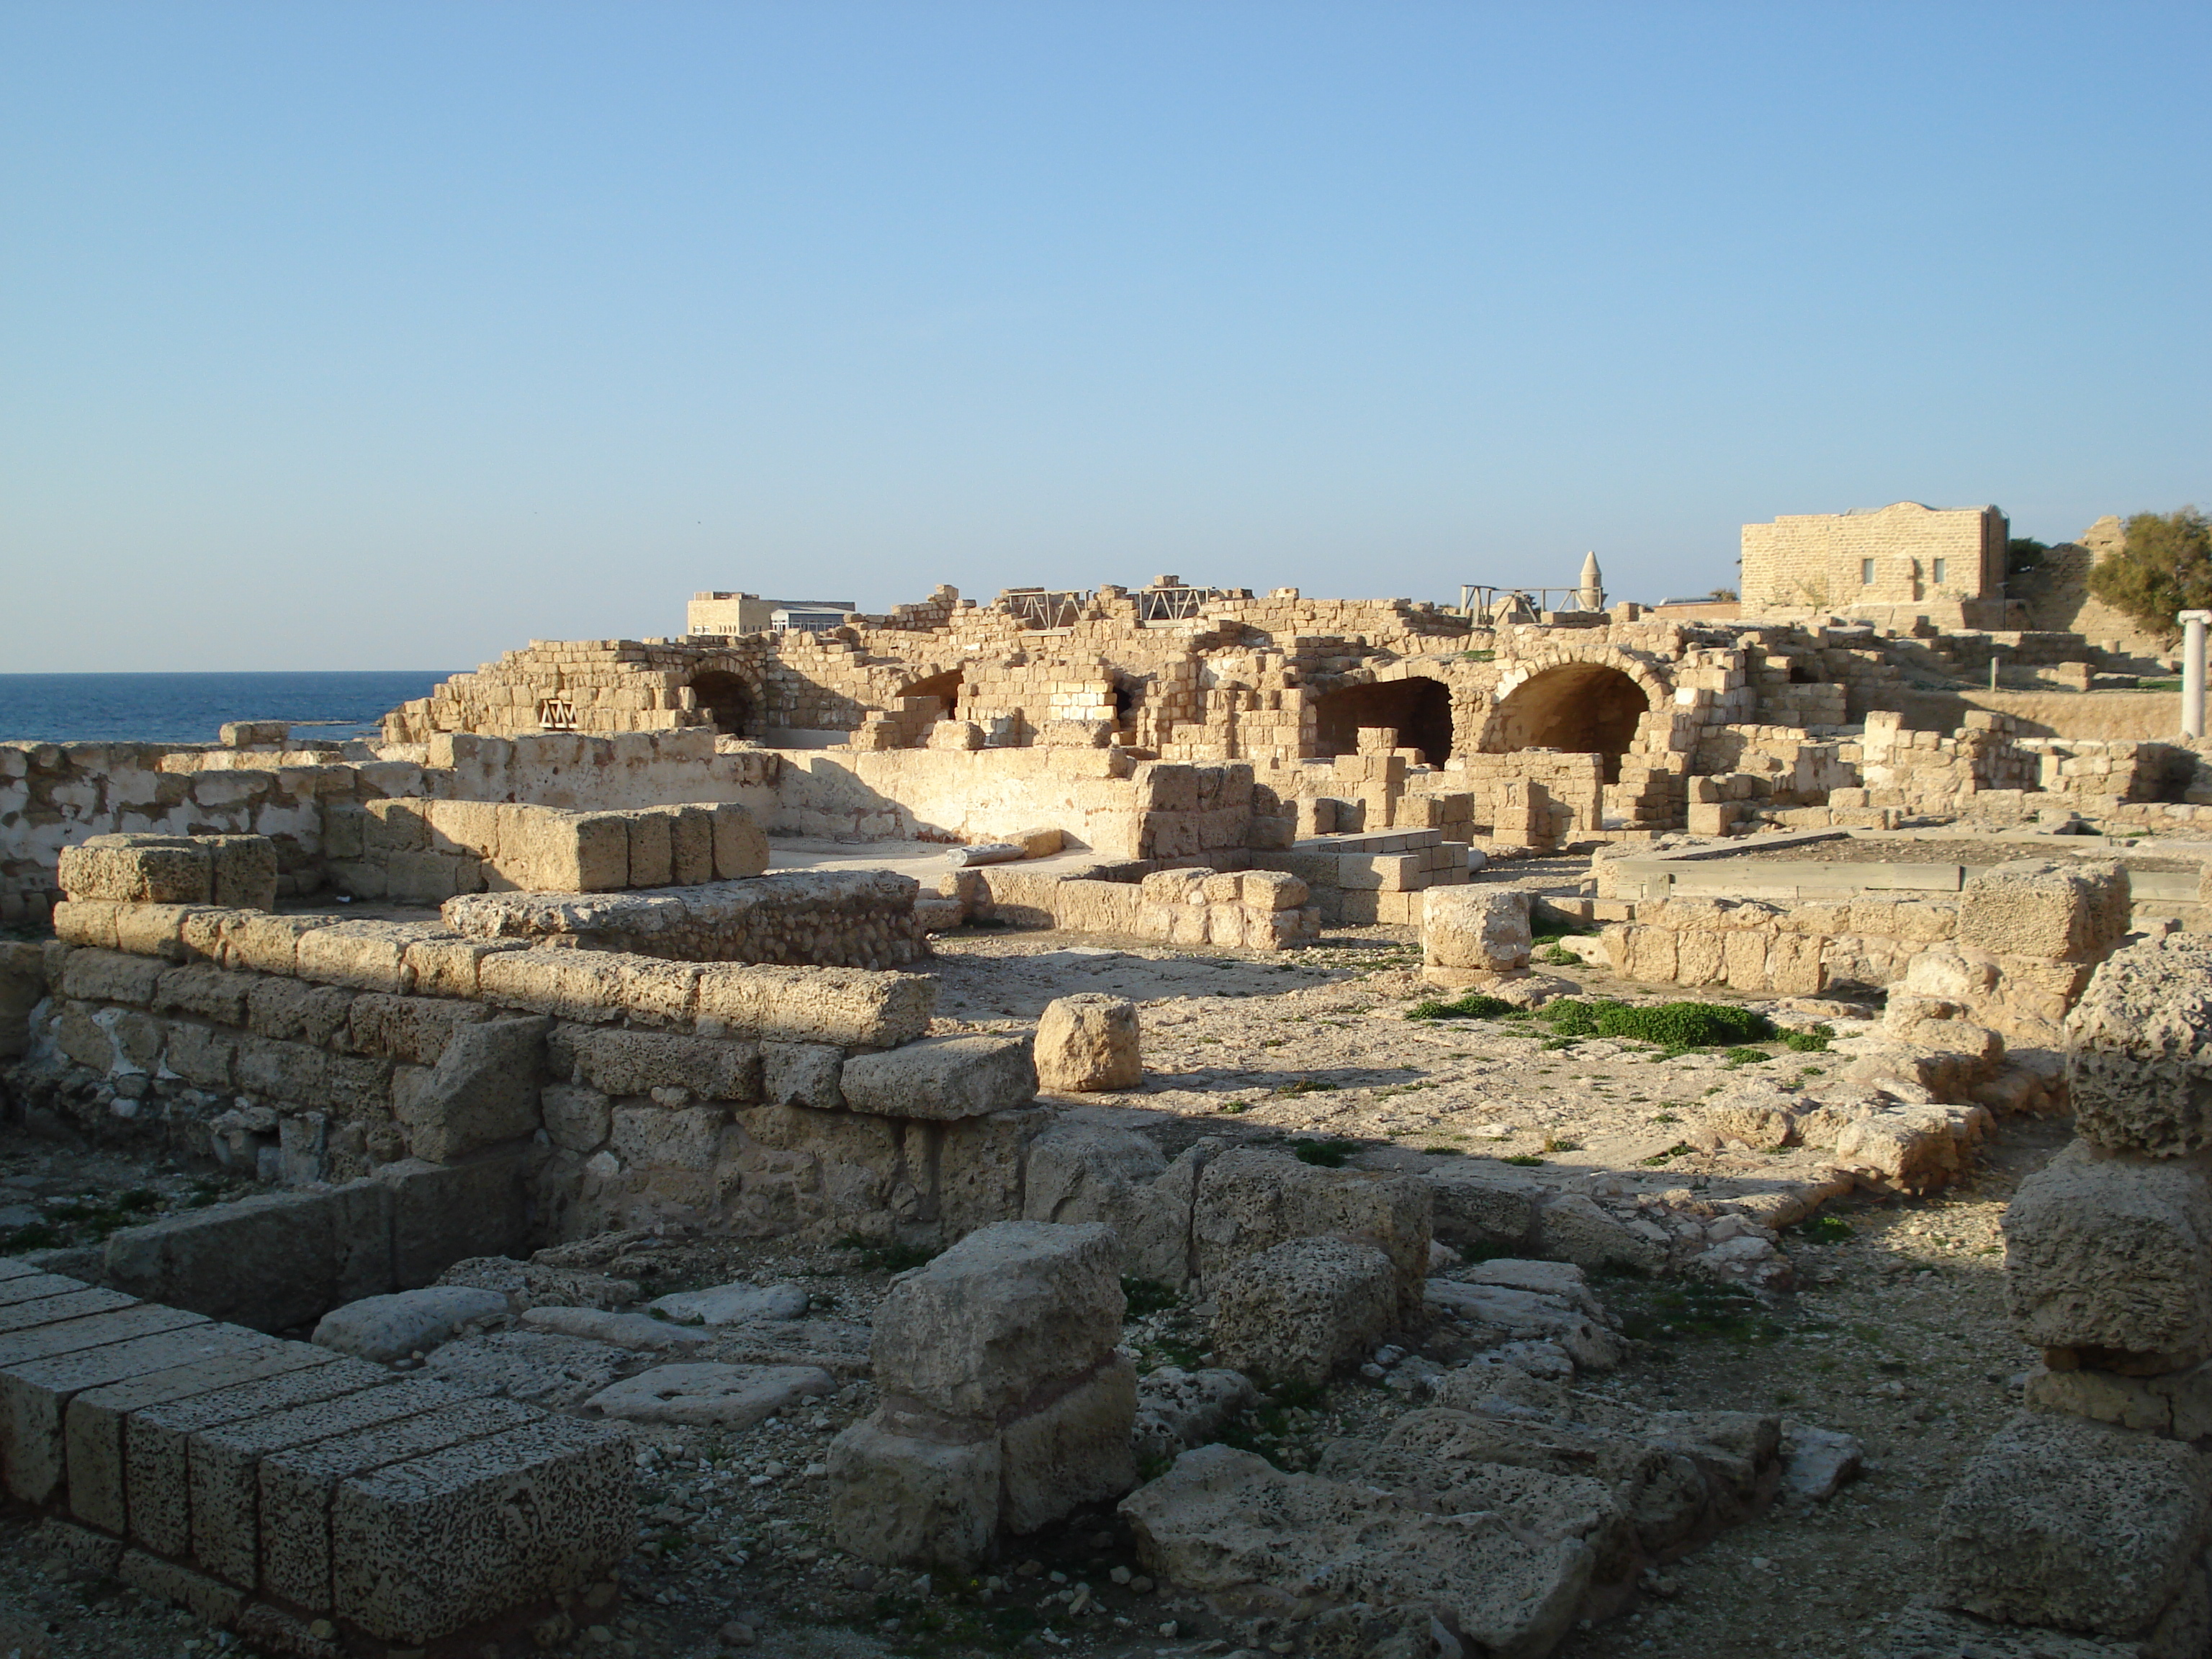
x=1582 y=708
x=726 y=700
x=1418 y=709
x=945 y=687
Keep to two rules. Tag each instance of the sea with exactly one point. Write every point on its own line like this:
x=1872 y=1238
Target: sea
x=189 y=707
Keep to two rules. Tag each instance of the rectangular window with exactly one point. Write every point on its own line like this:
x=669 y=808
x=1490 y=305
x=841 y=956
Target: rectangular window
x=1866 y=573
x=1939 y=565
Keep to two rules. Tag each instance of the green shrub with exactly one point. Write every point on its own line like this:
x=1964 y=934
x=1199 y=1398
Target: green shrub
x=1473 y=1006
x=1809 y=1043
x=1328 y=1154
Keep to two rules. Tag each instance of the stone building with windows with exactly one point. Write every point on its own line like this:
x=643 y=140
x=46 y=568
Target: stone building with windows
x=1889 y=565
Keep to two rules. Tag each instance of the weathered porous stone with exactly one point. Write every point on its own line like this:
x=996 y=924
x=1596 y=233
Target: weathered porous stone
x=1088 y=1043
x=2139 y=1049
x=1296 y=1312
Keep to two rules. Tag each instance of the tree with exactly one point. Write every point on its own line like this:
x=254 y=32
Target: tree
x=2165 y=566
x=2023 y=553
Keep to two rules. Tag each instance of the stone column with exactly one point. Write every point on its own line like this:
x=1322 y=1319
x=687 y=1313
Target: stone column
x=2192 y=672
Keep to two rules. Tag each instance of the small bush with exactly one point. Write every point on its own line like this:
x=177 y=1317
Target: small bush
x=1525 y=1160
x=1147 y=1296
x=1814 y=1042
x=1473 y=1006
x=1307 y=1086
x=1553 y=957
x=1327 y=1154
x=1747 y=1057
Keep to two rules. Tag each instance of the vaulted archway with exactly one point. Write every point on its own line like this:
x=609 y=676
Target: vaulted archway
x=1582 y=708
x=726 y=700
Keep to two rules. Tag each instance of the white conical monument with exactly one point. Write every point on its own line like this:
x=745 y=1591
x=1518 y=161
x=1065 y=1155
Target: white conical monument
x=1592 y=594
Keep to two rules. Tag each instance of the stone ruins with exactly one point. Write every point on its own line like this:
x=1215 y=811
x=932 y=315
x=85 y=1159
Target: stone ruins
x=817 y=1120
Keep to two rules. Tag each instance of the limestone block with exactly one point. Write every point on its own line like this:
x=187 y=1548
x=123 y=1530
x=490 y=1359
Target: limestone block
x=1087 y=1172
x=416 y=1030
x=223 y=1465
x=482 y=1091
x=93 y=1425
x=242 y=871
x=1570 y=1227
x=740 y=848
x=707 y=1395
x=155 y=1445
x=576 y=852
x=1088 y=1043
x=266 y=944
x=1009 y=1309
x=269 y=1261
x=628 y=1062
x=1296 y=1312
x=579 y=985
x=205 y=1598
x=1914 y=1149
x=1075 y=1450
x=905 y=1501
x=853 y=1008
x=636 y=1331
x=296 y=1487
x=1485 y=1205
x=137 y=869
x=2064 y=1523
x=35 y=1393
x=1251 y=1201
x=652 y=857
x=2111 y=1255
x=444 y=1213
x=802 y=1074
x=393 y=1326
x=1272 y=890
x=202 y=990
x=87 y=921
x=664 y=1137
x=283 y=1010
x=578 y=1119
x=111 y=976
x=942 y=1077
x=1224 y=1521
x=546 y=1507
x=2034 y=907
x=2140 y=1049
x=366 y=955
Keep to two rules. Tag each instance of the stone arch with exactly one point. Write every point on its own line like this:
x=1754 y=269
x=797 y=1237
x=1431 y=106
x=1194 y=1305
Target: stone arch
x=1581 y=707
x=945 y=687
x=727 y=700
x=1419 y=708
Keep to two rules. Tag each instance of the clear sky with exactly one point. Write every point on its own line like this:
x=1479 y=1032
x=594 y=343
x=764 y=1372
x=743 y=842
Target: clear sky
x=374 y=334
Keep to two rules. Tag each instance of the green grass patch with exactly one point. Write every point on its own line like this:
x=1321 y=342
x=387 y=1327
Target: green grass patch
x=1696 y=1312
x=1736 y=1057
x=1235 y=1106
x=1658 y=1158
x=1327 y=1154
x=1824 y=1229
x=1476 y=1004
x=1814 y=1042
x=1552 y=956
x=1524 y=1160
x=1307 y=1086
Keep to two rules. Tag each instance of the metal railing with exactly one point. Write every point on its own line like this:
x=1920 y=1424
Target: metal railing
x=1485 y=604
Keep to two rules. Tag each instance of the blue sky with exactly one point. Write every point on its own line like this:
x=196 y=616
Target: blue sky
x=387 y=335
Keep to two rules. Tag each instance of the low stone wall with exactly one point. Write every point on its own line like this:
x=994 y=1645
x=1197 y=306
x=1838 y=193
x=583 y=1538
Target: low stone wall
x=635 y=1089
x=842 y=918
x=312 y=1503
x=1358 y=880
x=425 y=852
x=1798 y=949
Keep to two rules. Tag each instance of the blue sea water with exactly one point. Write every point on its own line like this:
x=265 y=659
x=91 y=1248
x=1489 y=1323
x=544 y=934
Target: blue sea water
x=188 y=707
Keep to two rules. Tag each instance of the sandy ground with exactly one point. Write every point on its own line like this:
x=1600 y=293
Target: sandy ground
x=1896 y=1335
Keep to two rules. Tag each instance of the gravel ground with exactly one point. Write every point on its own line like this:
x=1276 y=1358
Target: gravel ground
x=1895 y=1334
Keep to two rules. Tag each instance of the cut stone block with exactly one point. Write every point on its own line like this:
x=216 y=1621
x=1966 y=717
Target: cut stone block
x=93 y=1330
x=1089 y=1044
x=2139 y=1058
x=1485 y=929
x=732 y=1304
x=2077 y=1524
x=444 y=1213
x=1012 y=1308
x=224 y=1463
x=37 y=1311
x=207 y=1599
x=1295 y=1313
x=711 y=1395
x=482 y=1091
x=297 y=1486
x=94 y=1427
x=156 y=1440
x=1250 y=1201
x=269 y=1260
x=2057 y=912
x=539 y=1509
x=1076 y=1450
x=388 y=1328
x=34 y=1395
x=942 y=1077
x=904 y=1502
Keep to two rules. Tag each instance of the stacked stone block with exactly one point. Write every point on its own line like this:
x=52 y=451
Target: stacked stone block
x=308 y=1501
x=2093 y=1510
x=1474 y=935
x=425 y=852
x=1006 y=1406
x=1359 y=880
x=843 y=918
